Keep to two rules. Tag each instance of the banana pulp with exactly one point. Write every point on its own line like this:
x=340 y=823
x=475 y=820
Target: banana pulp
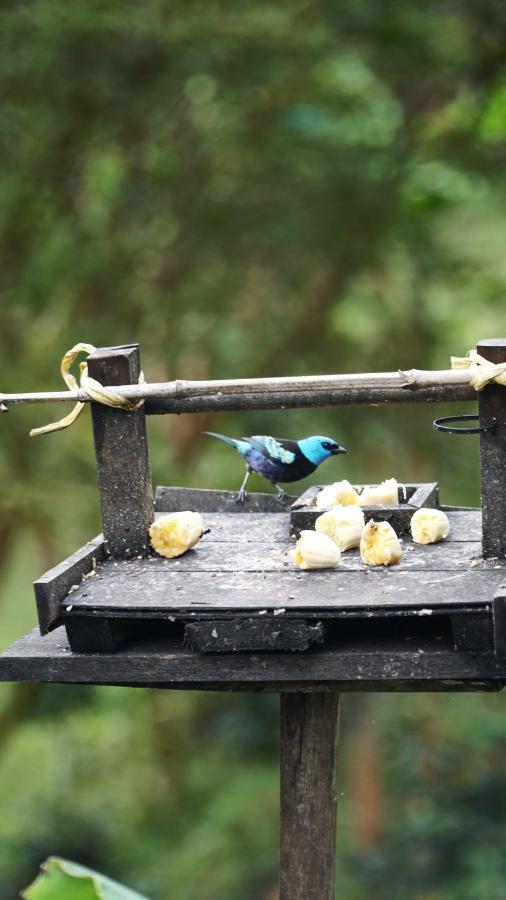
x=315 y=551
x=340 y=493
x=384 y=494
x=379 y=544
x=175 y=533
x=428 y=526
x=343 y=524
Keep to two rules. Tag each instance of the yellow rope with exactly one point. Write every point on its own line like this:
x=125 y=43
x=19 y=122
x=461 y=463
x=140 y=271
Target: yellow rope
x=483 y=371
x=93 y=388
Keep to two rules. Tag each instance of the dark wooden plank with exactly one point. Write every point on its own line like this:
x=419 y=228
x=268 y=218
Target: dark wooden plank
x=53 y=587
x=124 y=477
x=252 y=528
x=250 y=556
x=237 y=635
x=274 y=527
x=300 y=399
x=174 y=499
x=157 y=585
x=465 y=524
x=258 y=541
x=473 y=632
x=88 y=635
x=492 y=406
x=308 y=762
x=157 y=662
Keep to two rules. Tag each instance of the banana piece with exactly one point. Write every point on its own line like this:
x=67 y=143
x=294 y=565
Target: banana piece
x=384 y=494
x=343 y=524
x=428 y=526
x=379 y=544
x=315 y=551
x=175 y=533
x=340 y=493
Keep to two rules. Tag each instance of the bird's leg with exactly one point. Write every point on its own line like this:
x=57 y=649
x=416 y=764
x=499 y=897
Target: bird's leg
x=281 y=495
x=243 y=494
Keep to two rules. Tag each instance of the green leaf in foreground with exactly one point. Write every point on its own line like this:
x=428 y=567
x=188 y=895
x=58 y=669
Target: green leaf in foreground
x=60 y=879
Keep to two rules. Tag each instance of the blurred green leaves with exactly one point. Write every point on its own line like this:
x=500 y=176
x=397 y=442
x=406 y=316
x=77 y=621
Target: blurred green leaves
x=61 y=879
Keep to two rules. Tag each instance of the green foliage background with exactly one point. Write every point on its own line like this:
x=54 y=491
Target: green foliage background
x=257 y=188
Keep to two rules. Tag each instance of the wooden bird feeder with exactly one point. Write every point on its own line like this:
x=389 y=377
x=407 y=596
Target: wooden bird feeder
x=234 y=615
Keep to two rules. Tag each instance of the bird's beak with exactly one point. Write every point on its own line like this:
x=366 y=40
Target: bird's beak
x=339 y=450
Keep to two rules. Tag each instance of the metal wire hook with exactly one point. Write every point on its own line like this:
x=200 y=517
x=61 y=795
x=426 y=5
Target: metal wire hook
x=439 y=426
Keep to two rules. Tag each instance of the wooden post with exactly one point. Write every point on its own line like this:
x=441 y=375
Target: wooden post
x=309 y=729
x=121 y=449
x=492 y=405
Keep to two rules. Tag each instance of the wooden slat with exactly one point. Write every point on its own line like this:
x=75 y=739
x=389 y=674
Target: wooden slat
x=153 y=586
x=280 y=392
x=239 y=634
x=259 y=543
x=49 y=659
x=205 y=500
x=307 y=399
x=264 y=556
x=54 y=585
x=256 y=526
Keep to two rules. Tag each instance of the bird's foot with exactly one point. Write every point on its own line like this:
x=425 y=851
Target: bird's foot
x=281 y=495
x=242 y=495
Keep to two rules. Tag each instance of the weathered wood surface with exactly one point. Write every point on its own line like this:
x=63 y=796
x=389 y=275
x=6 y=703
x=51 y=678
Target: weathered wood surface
x=473 y=632
x=217 y=505
x=124 y=477
x=282 y=392
x=263 y=556
x=52 y=587
x=304 y=511
x=307 y=399
x=465 y=523
x=308 y=793
x=492 y=405
x=205 y=500
x=239 y=634
x=87 y=634
x=260 y=543
x=160 y=662
x=158 y=585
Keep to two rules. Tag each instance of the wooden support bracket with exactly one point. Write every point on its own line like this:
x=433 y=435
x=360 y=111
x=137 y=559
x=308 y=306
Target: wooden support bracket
x=124 y=477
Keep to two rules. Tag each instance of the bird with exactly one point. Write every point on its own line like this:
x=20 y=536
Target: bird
x=278 y=459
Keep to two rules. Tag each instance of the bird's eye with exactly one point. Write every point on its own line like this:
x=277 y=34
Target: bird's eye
x=327 y=445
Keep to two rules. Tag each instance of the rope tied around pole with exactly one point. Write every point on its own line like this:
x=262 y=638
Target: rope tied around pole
x=96 y=391
x=483 y=372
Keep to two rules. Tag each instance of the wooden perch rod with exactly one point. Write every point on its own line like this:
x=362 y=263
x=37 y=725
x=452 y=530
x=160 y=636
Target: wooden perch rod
x=274 y=393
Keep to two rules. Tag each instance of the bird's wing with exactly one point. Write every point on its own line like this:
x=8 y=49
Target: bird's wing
x=275 y=448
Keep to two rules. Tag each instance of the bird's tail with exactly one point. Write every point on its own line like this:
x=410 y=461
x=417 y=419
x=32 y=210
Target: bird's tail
x=241 y=446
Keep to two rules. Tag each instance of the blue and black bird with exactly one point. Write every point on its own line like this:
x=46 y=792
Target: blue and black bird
x=280 y=460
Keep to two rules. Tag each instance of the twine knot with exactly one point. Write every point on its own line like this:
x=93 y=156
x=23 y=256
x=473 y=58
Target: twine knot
x=93 y=388
x=483 y=371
